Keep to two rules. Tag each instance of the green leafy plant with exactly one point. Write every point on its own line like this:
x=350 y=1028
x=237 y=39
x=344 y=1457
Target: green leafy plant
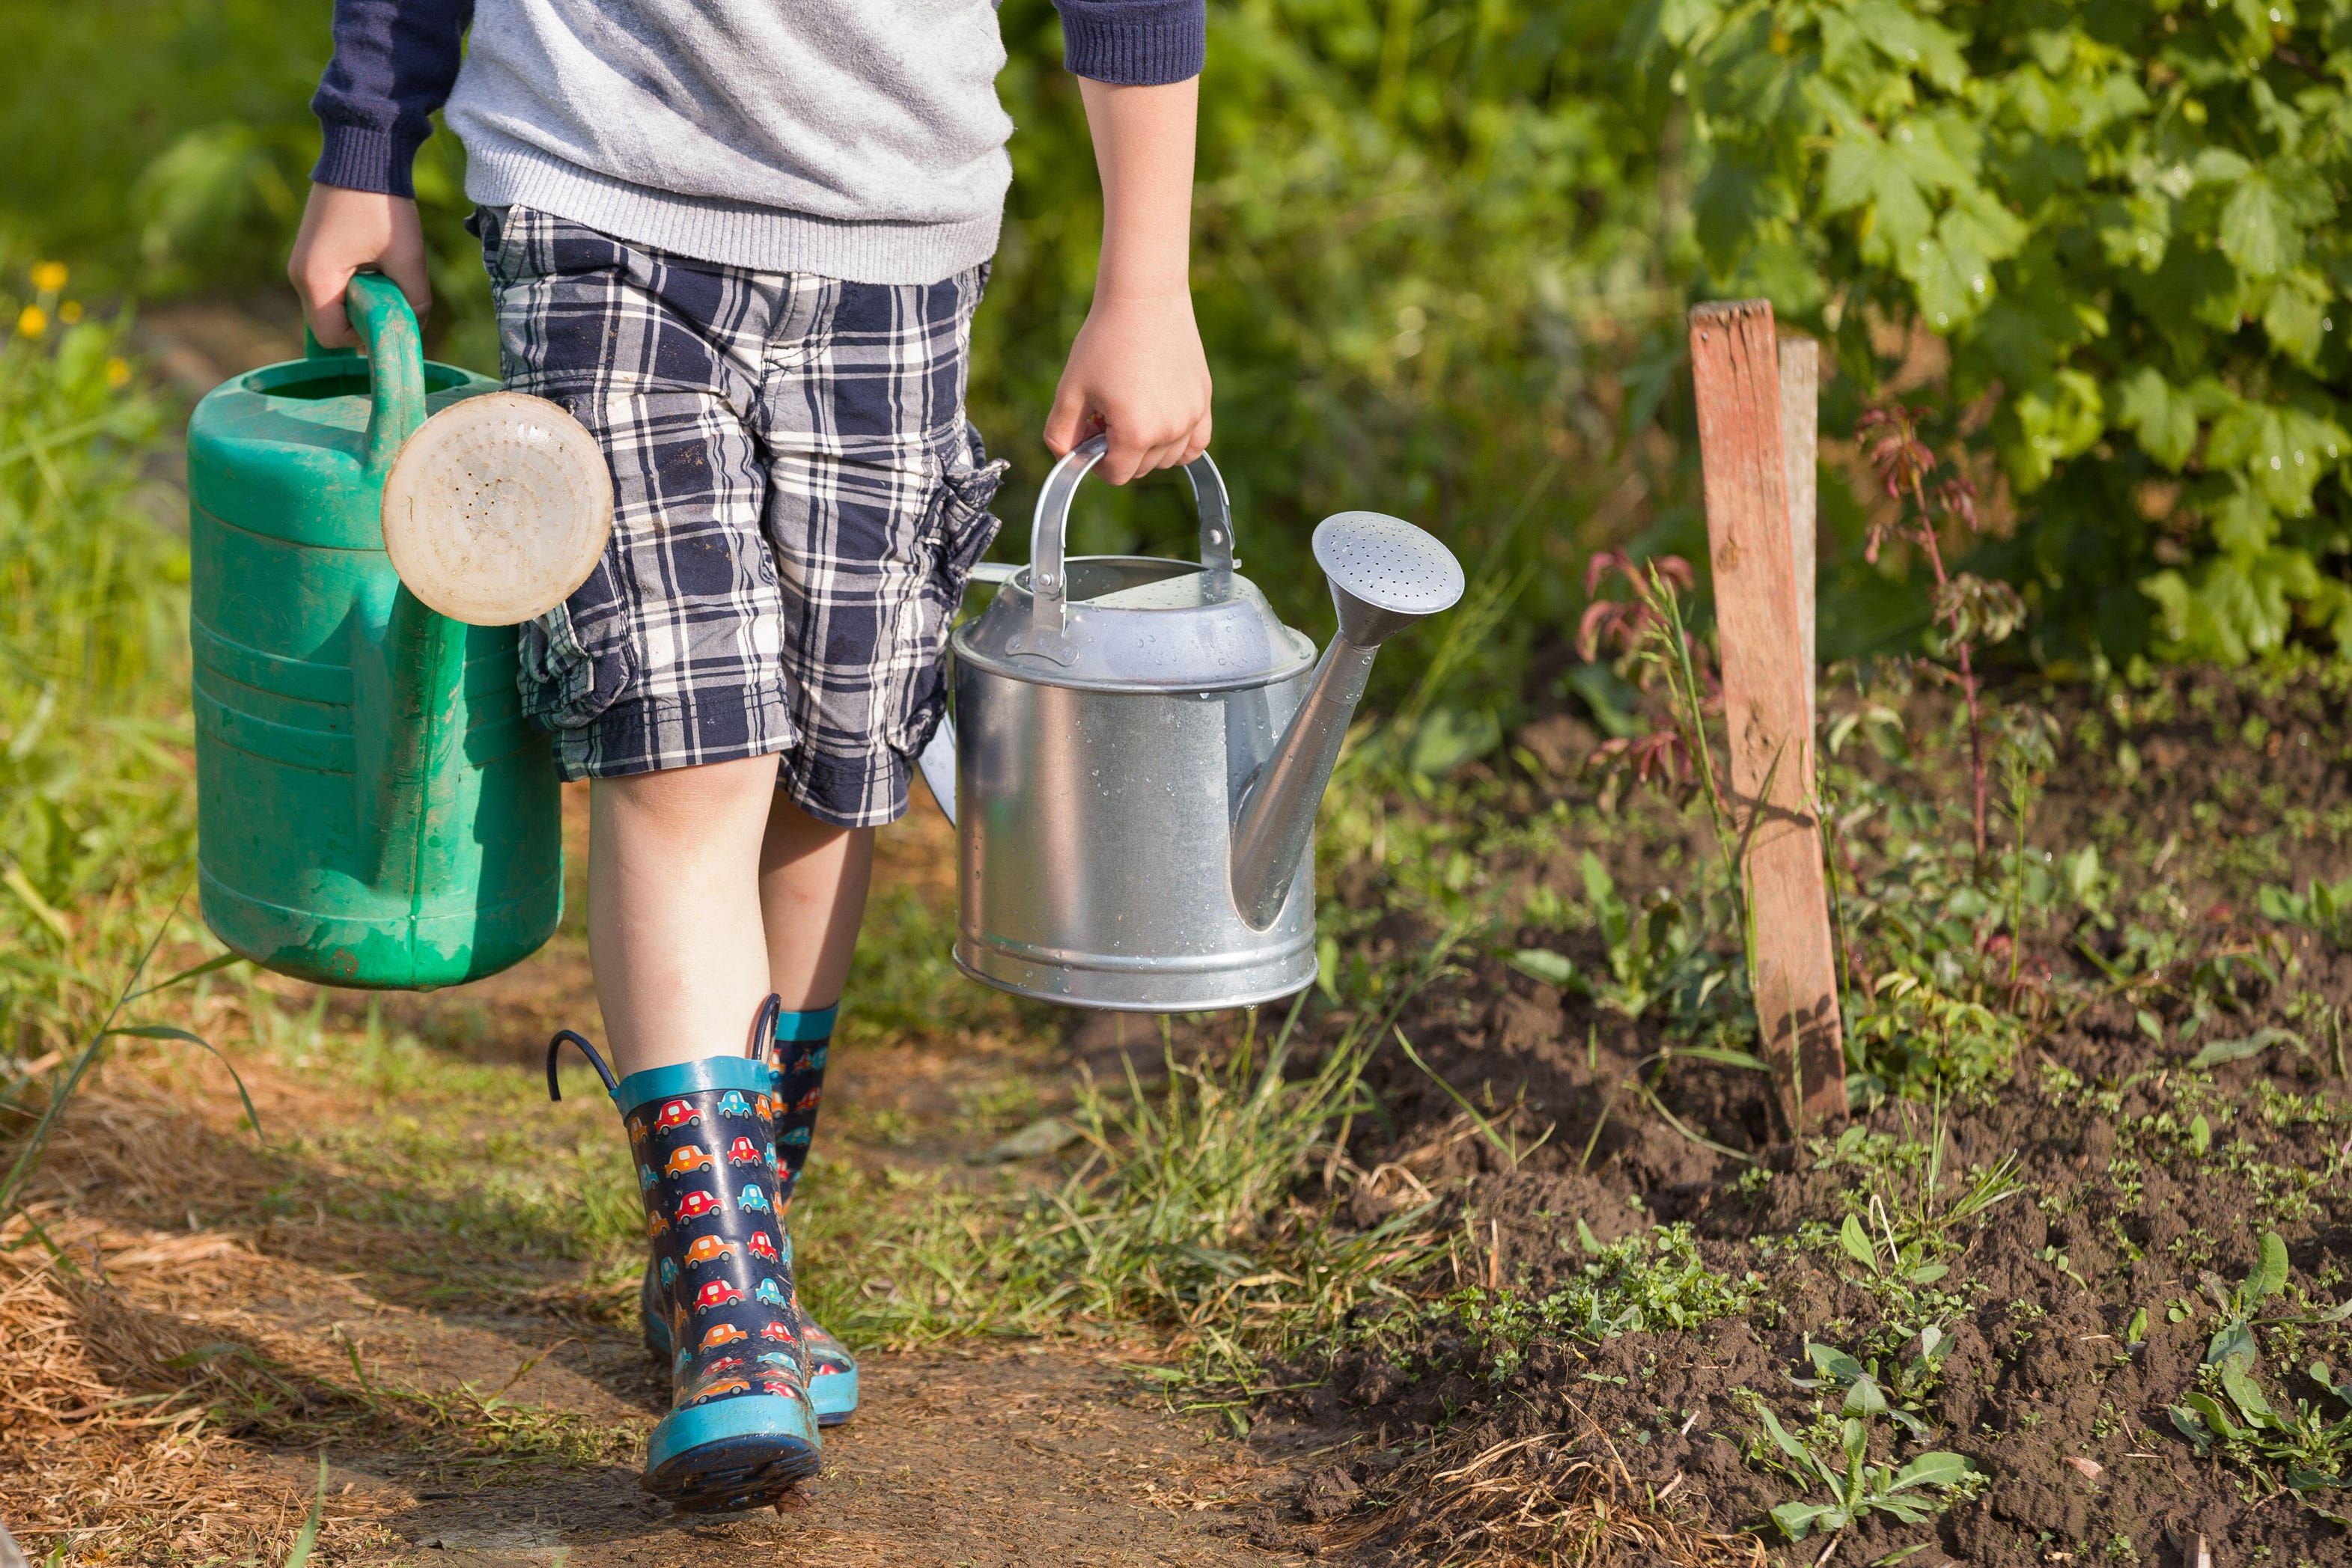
x=1912 y=1494
x=2310 y=1450
x=2120 y=219
x=1643 y=1282
x=1657 y=952
x=2321 y=906
x=1901 y=1395
x=2233 y=1335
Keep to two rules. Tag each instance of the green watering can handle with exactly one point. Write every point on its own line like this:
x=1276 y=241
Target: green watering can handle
x=408 y=798
x=395 y=351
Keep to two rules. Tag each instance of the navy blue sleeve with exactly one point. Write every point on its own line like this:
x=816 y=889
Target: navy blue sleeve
x=1134 y=42
x=395 y=61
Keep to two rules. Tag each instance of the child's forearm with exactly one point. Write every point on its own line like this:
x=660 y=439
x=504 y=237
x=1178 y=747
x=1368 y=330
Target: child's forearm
x=1137 y=372
x=1143 y=147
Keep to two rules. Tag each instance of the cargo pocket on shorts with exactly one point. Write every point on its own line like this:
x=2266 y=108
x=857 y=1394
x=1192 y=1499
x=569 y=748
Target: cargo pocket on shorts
x=955 y=534
x=577 y=659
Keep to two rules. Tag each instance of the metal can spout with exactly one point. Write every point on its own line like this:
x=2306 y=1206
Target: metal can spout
x=1385 y=575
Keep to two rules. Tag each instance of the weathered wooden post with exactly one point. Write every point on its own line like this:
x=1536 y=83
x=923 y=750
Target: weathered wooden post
x=1767 y=701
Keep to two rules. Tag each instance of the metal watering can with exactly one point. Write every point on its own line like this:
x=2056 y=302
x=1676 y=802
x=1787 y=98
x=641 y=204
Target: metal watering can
x=373 y=808
x=1140 y=747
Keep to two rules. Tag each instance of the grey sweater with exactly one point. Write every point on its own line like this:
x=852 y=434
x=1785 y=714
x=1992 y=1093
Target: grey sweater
x=858 y=138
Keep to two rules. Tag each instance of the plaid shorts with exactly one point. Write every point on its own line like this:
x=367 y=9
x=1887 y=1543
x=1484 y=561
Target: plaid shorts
x=798 y=501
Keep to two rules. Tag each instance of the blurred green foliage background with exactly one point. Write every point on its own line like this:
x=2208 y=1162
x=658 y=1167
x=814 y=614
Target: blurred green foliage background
x=1444 y=250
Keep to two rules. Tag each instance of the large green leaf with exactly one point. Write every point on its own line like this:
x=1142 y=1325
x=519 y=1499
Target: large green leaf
x=2164 y=420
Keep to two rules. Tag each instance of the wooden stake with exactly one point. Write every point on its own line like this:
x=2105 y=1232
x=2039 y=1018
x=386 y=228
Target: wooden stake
x=1736 y=372
x=1801 y=439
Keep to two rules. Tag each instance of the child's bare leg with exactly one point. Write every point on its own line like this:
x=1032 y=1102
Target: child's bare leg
x=674 y=918
x=813 y=882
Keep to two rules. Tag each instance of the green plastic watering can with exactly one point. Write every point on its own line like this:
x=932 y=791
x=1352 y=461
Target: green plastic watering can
x=372 y=808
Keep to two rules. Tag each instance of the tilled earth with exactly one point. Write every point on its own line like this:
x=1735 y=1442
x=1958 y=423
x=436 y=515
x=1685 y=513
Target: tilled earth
x=2143 y=1177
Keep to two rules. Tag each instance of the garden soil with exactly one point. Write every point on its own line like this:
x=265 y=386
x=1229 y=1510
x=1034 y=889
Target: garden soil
x=2141 y=1173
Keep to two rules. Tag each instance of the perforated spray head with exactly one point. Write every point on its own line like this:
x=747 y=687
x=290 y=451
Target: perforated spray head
x=1385 y=574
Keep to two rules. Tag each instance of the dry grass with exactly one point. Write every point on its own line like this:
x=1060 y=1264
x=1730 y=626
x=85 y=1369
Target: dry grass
x=1542 y=1502
x=103 y=1437
x=147 y=1376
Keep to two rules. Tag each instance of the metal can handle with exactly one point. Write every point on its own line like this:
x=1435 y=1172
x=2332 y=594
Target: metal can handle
x=1048 y=531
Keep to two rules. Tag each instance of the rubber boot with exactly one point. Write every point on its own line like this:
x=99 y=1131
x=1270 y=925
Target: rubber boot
x=802 y=1041
x=740 y=1431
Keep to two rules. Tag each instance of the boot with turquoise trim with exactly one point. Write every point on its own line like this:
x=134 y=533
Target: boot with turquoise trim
x=742 y=1431
x=801 y=1040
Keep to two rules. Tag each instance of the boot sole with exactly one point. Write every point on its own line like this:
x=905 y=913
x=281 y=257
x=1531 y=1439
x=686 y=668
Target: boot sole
x=734 y=1455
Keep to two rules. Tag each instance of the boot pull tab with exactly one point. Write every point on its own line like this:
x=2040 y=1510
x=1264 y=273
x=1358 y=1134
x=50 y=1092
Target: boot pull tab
x=612 y=1084
x=763 y=1030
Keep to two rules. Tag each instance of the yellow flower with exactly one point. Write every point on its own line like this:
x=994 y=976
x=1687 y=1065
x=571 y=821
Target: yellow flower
x=49 y=276
x=118 y=373
x=32 y=320
x=70 y=312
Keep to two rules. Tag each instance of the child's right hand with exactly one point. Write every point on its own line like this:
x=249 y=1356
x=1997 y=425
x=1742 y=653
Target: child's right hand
x=342 y=233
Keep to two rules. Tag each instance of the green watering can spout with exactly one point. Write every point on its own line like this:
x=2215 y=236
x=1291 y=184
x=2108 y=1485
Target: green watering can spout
x=409 y=676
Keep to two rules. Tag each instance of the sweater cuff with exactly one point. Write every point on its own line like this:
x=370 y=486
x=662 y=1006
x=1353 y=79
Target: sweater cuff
x=362 y=158
x=1135 y=45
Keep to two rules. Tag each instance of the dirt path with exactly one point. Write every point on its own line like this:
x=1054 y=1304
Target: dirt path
x=977 y=1462
x=467 y=1357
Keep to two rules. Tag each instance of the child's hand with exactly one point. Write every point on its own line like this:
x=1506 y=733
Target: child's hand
x=343 y=232
x=1137 y=372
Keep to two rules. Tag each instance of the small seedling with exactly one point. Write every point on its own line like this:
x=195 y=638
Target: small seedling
x=1912 y=1495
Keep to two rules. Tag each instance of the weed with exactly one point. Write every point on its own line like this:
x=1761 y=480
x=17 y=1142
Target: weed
x=1920 y=1491
x=2324 y=907
x=1641 y=1283
x=2309 y=1451
x=1901 y=1395
x=1657 y=953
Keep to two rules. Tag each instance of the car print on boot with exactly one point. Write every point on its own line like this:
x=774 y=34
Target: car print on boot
x=646 y=1179
x=724 y=1363
x=761 y=1247
x=768 y=1295
x=794 y=1136
x=732 y=1103
x=686 y=1158
x=677 y=1114
x=765 y=1107
x=707 y=1249
x=810 y=1101
x=668 y=1271
x=782 y=1387
x=710 y=1392
x=773 y=1358
x=724 y=1333
x=743 y=1151
x=777 y=1330
x=637 y=1130
x=697 y=1204
x=752 y=1200
x=717 y=1294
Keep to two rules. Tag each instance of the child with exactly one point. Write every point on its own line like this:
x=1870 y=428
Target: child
x=742 y=241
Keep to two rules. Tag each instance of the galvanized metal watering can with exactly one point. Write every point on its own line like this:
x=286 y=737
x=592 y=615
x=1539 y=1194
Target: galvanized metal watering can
x=372 y=808
x=1140 y=747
